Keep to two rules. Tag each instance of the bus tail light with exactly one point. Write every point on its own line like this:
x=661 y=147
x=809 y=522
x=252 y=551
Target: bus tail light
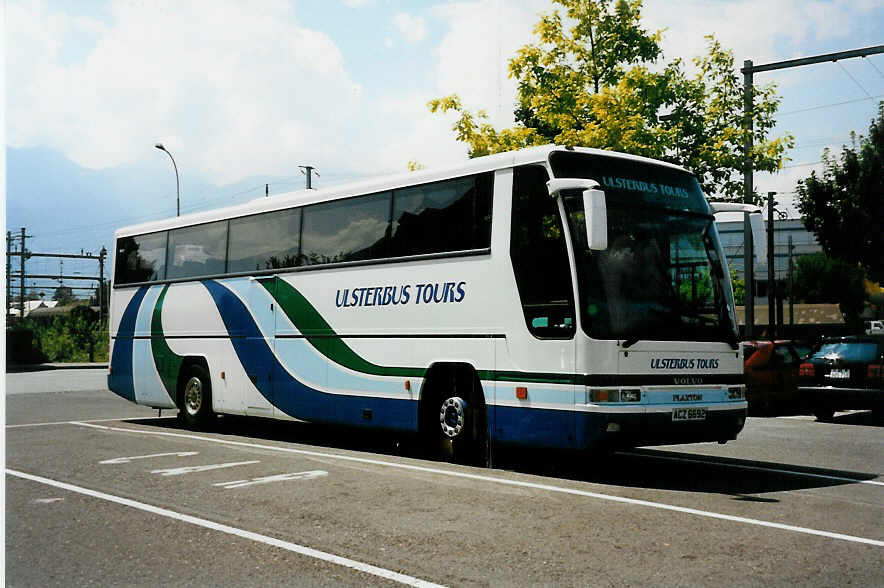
x=806 y=370
x=876 y=371
x=522 y=393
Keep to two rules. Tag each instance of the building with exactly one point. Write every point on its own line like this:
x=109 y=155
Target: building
x=730 y=228
x=30 y=306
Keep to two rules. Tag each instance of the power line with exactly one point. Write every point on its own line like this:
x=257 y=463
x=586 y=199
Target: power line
x=872 y=63
x=844 y=69
x=809 y=163
x=821 y=106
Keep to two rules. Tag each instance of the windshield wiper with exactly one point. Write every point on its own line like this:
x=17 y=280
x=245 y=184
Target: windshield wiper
x=629 y=342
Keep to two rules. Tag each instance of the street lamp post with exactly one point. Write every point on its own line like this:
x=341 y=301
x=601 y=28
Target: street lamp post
x=177 y=185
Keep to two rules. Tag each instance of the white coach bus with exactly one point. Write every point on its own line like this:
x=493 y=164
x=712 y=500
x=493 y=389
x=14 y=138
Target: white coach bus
x=554 y=297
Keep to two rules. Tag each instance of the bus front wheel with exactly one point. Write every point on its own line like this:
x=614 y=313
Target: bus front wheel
x=195 y=405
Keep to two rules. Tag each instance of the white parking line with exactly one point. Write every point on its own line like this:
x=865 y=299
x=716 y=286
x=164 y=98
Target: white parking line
x=276 y=478
x=141 y=416
x=294 y=547
x=518 y=483
x=120 y=460
x=201 y=468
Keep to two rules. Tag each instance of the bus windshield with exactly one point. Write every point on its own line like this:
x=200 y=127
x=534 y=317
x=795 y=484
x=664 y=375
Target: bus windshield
x=663 y=276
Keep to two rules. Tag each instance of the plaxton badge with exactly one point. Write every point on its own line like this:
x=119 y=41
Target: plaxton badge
x=687 y=397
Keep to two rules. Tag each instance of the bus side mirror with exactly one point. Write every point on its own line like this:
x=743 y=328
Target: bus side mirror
x=759 y=235
x=594 y=208
x=759 y=238
x=596 y=219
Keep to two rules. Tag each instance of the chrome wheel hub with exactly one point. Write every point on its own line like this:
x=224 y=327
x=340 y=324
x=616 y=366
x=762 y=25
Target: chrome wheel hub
x=452 y=416
x=193 y=396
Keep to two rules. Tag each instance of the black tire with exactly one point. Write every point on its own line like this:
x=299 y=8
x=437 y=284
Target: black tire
x=823 y=414
x=195 y=398
x=460 y=429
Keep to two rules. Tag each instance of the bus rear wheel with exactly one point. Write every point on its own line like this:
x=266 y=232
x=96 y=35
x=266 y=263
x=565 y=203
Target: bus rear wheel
x=195 y=402
x=460 y=430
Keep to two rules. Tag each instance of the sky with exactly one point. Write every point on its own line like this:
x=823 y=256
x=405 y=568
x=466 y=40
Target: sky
x=242 y=93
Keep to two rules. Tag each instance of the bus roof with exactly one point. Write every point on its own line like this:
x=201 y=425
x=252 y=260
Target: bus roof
x=380 y=183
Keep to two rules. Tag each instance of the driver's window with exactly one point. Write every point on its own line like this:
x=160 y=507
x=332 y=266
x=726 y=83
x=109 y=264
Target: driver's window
x=540 y=257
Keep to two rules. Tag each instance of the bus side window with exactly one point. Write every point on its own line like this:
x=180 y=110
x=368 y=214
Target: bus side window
x=540 y=257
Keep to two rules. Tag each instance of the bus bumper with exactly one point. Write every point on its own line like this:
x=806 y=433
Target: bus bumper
x=619 y=430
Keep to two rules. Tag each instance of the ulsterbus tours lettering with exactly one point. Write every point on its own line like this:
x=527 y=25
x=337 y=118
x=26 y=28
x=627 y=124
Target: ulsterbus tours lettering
x=639 y=186
x=430 y=293
x=684 y=364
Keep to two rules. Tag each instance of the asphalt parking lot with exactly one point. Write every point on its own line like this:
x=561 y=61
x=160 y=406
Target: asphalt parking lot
x=100 y=491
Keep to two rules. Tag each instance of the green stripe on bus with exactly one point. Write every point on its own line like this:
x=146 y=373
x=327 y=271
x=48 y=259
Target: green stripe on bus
x=167 y=362
x=309 y=322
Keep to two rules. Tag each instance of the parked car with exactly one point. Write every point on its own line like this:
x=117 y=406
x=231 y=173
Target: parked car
x=771 y=369
x=805 y=349
x=844 y=373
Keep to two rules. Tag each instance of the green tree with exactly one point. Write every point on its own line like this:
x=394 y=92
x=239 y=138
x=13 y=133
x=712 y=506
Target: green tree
x=64 y=295
x=844 y=207
x=587 y=83
x=739 y=287
x=84 y=330
x=819 y=278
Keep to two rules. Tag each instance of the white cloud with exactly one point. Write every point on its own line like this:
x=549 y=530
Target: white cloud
x=243 y=91
x=474 y=54
x=759 y=30
x=412 y=28
x=237 y=89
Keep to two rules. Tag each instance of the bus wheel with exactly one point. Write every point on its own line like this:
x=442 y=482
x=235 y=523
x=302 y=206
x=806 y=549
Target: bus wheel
x=195 y=408
x=459 y=427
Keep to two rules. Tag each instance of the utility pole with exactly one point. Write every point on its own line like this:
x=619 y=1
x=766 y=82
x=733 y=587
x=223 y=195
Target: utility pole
x=771 y=273
x=748 y=101
x=8 y=274
x=748 y=192
x=791 y=292
x=101 y=255
x=309 y=170
x=24 y=255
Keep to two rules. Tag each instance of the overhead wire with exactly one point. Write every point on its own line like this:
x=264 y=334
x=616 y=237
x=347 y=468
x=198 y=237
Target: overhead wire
x=855 y=81
x=830 y=105
x=875 y=67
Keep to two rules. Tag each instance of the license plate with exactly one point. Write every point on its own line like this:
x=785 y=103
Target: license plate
x=839 y=374
x=688 y=414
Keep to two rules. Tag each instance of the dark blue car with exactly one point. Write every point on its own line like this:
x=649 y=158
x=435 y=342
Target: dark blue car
x=844 y=373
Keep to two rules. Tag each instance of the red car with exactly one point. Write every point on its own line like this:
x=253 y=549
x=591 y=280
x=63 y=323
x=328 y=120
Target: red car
x=771 y=377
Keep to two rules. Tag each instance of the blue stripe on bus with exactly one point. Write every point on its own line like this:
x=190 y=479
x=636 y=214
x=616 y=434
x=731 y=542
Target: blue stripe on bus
x=288 y=394
x=120 y=379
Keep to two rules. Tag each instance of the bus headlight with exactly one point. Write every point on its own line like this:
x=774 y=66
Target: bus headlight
x=736 y=392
